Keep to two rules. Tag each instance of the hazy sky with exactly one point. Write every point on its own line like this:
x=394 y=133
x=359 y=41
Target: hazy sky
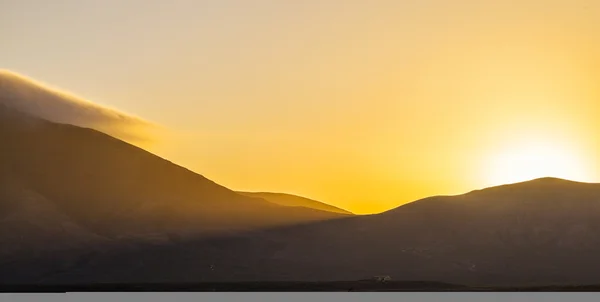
x=362 y=104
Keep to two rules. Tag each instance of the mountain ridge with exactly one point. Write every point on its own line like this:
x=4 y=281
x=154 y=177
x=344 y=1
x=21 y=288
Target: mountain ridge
x=295 y=200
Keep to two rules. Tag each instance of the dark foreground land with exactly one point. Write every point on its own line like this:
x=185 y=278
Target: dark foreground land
x=341 y=286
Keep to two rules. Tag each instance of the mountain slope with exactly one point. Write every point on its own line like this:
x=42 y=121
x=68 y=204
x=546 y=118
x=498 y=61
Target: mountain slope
x=67 y=192
x=538 y=232
x=541 y=232
x=30 y=222
x=73 y=191
x=295 y=201
x=111 y=187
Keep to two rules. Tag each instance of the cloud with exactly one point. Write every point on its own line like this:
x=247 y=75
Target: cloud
x=38 y=99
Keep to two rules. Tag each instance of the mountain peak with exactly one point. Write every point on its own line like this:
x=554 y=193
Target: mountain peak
x=549 y=179
x=542 y=181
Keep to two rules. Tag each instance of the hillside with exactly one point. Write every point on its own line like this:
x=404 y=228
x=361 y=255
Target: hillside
x=542 y=232
x=295 y=201
x=538 y=232
x=111 y=187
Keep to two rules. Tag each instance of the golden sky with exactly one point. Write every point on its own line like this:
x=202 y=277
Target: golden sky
x=362 y=104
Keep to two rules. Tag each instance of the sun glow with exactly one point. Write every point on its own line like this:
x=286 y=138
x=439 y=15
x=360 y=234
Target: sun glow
x=536 y=160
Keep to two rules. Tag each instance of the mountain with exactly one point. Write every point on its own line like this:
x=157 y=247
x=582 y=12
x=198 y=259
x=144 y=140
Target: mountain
x=541 y=232
x=67 y=190
x=73 y=190
x=538 y=232
x=295 y=201
x=112 y=187
x=80 y=206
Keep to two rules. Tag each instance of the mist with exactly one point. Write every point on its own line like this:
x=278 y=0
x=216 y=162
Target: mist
x=32 y=97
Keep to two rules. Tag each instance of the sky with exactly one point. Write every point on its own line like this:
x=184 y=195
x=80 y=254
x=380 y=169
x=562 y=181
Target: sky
x=365 y=105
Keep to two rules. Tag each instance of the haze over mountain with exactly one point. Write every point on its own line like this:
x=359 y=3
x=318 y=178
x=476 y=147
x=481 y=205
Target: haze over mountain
x=41 y=100
x=294 y=201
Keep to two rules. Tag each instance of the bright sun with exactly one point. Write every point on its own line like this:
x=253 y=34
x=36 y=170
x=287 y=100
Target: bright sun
x=536 y=160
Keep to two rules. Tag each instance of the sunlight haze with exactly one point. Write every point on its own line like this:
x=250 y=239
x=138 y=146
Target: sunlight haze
x=364 y=105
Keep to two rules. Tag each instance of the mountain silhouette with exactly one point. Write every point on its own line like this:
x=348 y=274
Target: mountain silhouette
x=541 y=232
x=68 y=188
x=80 y=206
x=295 y=201
x=110 y=186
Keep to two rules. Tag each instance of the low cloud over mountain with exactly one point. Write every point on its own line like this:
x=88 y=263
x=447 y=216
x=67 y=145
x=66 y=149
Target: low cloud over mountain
x=35 y=98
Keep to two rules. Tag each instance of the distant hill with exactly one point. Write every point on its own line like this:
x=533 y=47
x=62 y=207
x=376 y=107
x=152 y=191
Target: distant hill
x=541 y=232
x=295 y=201
x=537 y=233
